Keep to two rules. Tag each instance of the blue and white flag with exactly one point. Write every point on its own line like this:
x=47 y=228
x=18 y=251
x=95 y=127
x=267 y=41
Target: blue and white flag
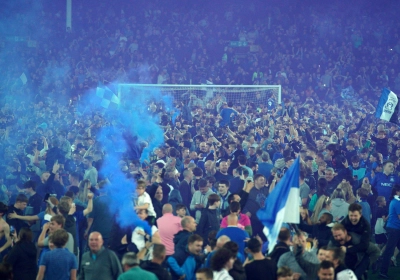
x=281 y=205
x=388 y=106
x=108 y=99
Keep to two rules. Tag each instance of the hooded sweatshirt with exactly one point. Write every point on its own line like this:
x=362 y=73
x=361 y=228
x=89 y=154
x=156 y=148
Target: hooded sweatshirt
x=23 y=259
x=340 y=209
x=181 y=239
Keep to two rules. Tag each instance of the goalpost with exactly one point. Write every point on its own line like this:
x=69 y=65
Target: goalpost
x=201 y=95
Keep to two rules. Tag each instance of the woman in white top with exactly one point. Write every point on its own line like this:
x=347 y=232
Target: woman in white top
x=221 y=263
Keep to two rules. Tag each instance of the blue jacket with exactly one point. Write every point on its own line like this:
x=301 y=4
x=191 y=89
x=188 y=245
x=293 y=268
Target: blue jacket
x=384 y=183
x=183 y=262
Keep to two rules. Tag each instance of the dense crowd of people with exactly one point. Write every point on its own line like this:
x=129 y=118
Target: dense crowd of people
x=197 y=195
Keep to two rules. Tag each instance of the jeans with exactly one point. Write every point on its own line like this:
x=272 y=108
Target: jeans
x=393 y=241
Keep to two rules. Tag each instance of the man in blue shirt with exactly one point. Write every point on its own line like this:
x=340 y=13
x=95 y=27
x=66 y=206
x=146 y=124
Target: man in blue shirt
x=235 y=233
x=58 y=263
x=265 y=167
x=226 y=114
x=384 y=181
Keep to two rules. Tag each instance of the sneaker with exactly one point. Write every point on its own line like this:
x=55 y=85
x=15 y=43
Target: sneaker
x=394 y=261
x=383 y=276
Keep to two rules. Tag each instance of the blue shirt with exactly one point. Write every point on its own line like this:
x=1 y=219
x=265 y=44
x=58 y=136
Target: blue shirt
x=394 y=212
x=59 y=263
x=384 y=183
x=236 y=235
x=226 y=116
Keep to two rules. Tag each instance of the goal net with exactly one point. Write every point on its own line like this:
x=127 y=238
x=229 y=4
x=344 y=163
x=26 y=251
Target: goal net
x=205 y=96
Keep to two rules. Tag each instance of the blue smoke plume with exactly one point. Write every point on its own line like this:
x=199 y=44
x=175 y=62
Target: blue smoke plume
x=132 y=128
x=138 y=120
x=121 y=190
x=33 y=22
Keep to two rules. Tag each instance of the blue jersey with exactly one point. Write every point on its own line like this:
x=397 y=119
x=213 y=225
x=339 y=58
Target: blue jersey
x=384 y=183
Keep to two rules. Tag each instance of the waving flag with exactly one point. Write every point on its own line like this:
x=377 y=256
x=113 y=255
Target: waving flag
x=108 y=99
x=388 y=106
x=282 y=205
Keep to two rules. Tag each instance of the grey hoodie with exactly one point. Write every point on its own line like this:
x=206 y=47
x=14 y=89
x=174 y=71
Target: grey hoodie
x=339 y=209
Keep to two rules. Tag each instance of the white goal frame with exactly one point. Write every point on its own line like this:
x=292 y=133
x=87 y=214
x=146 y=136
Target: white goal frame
x=204 y=87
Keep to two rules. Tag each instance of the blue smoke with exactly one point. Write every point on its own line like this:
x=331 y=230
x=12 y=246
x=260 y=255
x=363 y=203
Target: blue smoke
x=121 y=190
x=35 y=21
x=55 y=73
x=135 y=101
x=132 y=125
x=27 y=27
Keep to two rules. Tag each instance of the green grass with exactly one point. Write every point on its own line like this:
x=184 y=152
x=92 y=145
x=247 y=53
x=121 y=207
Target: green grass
x=394 y=272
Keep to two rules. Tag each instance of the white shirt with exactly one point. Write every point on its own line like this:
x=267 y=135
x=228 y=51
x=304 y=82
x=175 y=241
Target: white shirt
x=145 y=198
x=223 y=274
x=139 y=239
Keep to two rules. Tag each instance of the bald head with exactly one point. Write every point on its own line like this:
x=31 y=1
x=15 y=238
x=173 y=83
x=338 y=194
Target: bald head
x=167 y=208
x=95 y=241
x=96 y=234
x=188 y=223
x=232 y=219
x=222 y=240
